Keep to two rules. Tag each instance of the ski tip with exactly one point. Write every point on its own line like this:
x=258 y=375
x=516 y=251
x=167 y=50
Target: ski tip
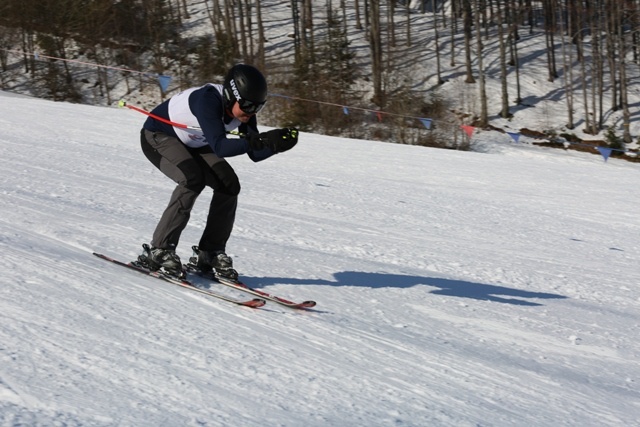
x=103 y=256
x=299 y=305
x=255 y=303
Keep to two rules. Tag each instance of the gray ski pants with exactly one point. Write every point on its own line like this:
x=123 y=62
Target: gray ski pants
x=192 y=169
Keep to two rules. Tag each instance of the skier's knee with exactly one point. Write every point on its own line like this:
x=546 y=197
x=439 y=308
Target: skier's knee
x=194 y=178
x=228 y=182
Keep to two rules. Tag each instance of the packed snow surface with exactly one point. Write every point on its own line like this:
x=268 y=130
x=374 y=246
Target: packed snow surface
x=493 y=288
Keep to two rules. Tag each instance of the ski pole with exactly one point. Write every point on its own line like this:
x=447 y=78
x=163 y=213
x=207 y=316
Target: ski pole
x=123 y=103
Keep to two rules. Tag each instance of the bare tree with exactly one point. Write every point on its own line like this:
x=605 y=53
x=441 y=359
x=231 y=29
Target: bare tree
x=504 y=111
x=484 y=115
x=243 y=34
x=375 y=44
x=468 y=26
x=618 y=13
x=581 y=16
x=297 y=43
x=391 y=25
x=516 y=12
x=261 y=39
x=455 y=8
x=307 y=39
x=248 y=26
x=436 y=33
x=611 y=43
x=567 y=66
x=595 y=14
x=230 y=33
x=408 y=12
x=550 y=9
x=214 y=14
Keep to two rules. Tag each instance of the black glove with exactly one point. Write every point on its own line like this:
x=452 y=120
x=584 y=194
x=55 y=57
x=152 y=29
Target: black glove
x=279 y=140
x=255 y=142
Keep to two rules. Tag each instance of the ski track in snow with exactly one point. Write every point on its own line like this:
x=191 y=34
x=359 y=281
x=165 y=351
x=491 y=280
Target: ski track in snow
x=453 y=288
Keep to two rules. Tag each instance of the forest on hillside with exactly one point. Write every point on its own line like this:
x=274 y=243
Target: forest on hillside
x=591 y=44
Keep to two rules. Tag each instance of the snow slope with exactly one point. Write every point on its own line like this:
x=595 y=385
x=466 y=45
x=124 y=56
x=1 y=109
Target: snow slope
x=453 y=288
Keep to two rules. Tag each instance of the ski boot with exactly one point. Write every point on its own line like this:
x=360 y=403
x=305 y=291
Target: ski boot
x=165 y=260
x=213 y=261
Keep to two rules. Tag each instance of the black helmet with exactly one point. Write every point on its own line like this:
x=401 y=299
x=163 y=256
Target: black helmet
x=246 y=85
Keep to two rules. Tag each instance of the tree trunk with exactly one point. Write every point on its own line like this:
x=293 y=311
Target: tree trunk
x=583 y=71
x=611 y=43
x=467 y=16
x=567 y=65
x=261 y=38
x=454 y=22
x=504 y=111
x=550 y=8
x=437 y=43
x=357 y=8
x=596 y=68
x=516 y=14
x=484 y=115
x=391 y=24
x=622 y=65
x=297 y=46
x=375 y=43
x=306 y=31
x=408 y=11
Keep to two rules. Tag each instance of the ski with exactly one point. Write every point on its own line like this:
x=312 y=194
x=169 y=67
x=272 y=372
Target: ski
x=239 y=285
x=254 y=303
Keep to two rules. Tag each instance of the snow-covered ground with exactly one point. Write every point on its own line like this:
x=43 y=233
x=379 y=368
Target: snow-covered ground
x=454 y=288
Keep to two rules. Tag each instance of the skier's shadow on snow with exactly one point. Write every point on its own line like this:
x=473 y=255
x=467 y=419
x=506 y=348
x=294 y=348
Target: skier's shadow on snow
x=449 y=287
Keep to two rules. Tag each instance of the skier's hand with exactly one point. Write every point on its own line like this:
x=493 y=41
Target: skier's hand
x=279 y=140
x=255 y=141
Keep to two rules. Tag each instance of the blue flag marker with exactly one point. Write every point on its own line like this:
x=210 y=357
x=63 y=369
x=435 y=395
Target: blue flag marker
x=514 y=135
x=164 y=82
x=606 y=152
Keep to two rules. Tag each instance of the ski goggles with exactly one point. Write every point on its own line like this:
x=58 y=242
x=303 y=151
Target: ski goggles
x=250 y=107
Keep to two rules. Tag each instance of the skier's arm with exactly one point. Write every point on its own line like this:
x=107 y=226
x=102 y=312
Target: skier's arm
x=207 y=107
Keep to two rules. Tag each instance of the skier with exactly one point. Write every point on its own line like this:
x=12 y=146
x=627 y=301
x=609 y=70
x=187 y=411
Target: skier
x=195 y=159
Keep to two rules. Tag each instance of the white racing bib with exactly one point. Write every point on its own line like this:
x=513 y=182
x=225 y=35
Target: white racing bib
x=179 y=112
